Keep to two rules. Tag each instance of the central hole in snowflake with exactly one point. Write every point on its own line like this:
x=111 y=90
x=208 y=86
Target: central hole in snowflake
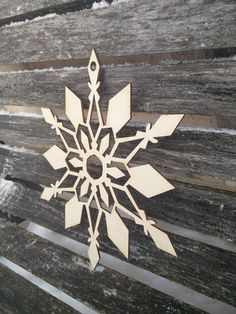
x=94 y=167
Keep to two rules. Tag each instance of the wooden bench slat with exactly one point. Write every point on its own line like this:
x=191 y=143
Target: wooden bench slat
x=197 y=262
x=186 y=205
x=104 y=290
x=204 y=87
x=18 y=296
x=140 y=26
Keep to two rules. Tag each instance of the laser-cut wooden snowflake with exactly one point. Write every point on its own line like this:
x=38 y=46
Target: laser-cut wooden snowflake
x=102 y=145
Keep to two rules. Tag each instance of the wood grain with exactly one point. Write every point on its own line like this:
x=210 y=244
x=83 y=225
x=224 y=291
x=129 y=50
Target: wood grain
x=153 y=26
x=17 y=7
x=18 y=296
x=200 y=164
x=22 y=11
x=196 y=262
x=203 y=87
x=195 y=157
x=208 y=210
x=104 y=290
x=138 y=117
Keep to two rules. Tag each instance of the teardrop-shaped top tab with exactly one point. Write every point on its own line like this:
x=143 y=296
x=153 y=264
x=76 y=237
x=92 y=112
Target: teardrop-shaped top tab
x=93 y=67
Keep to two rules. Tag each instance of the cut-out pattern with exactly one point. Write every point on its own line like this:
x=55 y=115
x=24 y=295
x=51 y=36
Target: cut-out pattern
x=100 y=186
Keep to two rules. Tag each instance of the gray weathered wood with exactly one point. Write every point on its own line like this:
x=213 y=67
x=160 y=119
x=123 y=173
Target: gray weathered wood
x=131 y=28
x=196 y=262
x=204 y=87
x=21 y=11
x=133 y=31
x=104 y=289
x=16 y=7
x=18 y=296
x=185 y=206
x=197 y=157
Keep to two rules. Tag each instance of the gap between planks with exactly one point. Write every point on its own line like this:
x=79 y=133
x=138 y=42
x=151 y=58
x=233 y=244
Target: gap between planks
x=163 y=225
x=178 y=230
x=147 y=58
x=198 y=180
x=140 y=118
x=45 y=286
x=57 y=9
x=132 y=17
x=159 y=283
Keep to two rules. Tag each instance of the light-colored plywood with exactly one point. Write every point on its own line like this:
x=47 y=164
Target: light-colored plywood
x=73 y=212
x=119 y=110
x=158 y=184
x=102 y=188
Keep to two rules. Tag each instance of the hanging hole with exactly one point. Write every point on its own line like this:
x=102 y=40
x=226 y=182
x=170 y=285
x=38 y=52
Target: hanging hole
x=93 y=66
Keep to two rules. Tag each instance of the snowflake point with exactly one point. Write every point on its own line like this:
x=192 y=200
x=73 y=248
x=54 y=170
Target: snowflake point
x=95 y=183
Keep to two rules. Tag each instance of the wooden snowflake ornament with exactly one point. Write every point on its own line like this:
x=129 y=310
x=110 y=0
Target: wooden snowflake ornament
x=100 y=147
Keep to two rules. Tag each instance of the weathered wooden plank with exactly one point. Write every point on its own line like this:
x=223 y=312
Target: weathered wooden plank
x=198 y=208
x=204 y=87
x=18 y=296
x=17 y=7
x=190 y=121
x=200 y=153
x=185 y=206
x=104 y=289
x=16 y=10
x=140 y=26
x=198 y=157
x=199 y=266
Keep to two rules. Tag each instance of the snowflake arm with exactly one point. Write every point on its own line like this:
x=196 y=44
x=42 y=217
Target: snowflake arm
x=99 y=187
